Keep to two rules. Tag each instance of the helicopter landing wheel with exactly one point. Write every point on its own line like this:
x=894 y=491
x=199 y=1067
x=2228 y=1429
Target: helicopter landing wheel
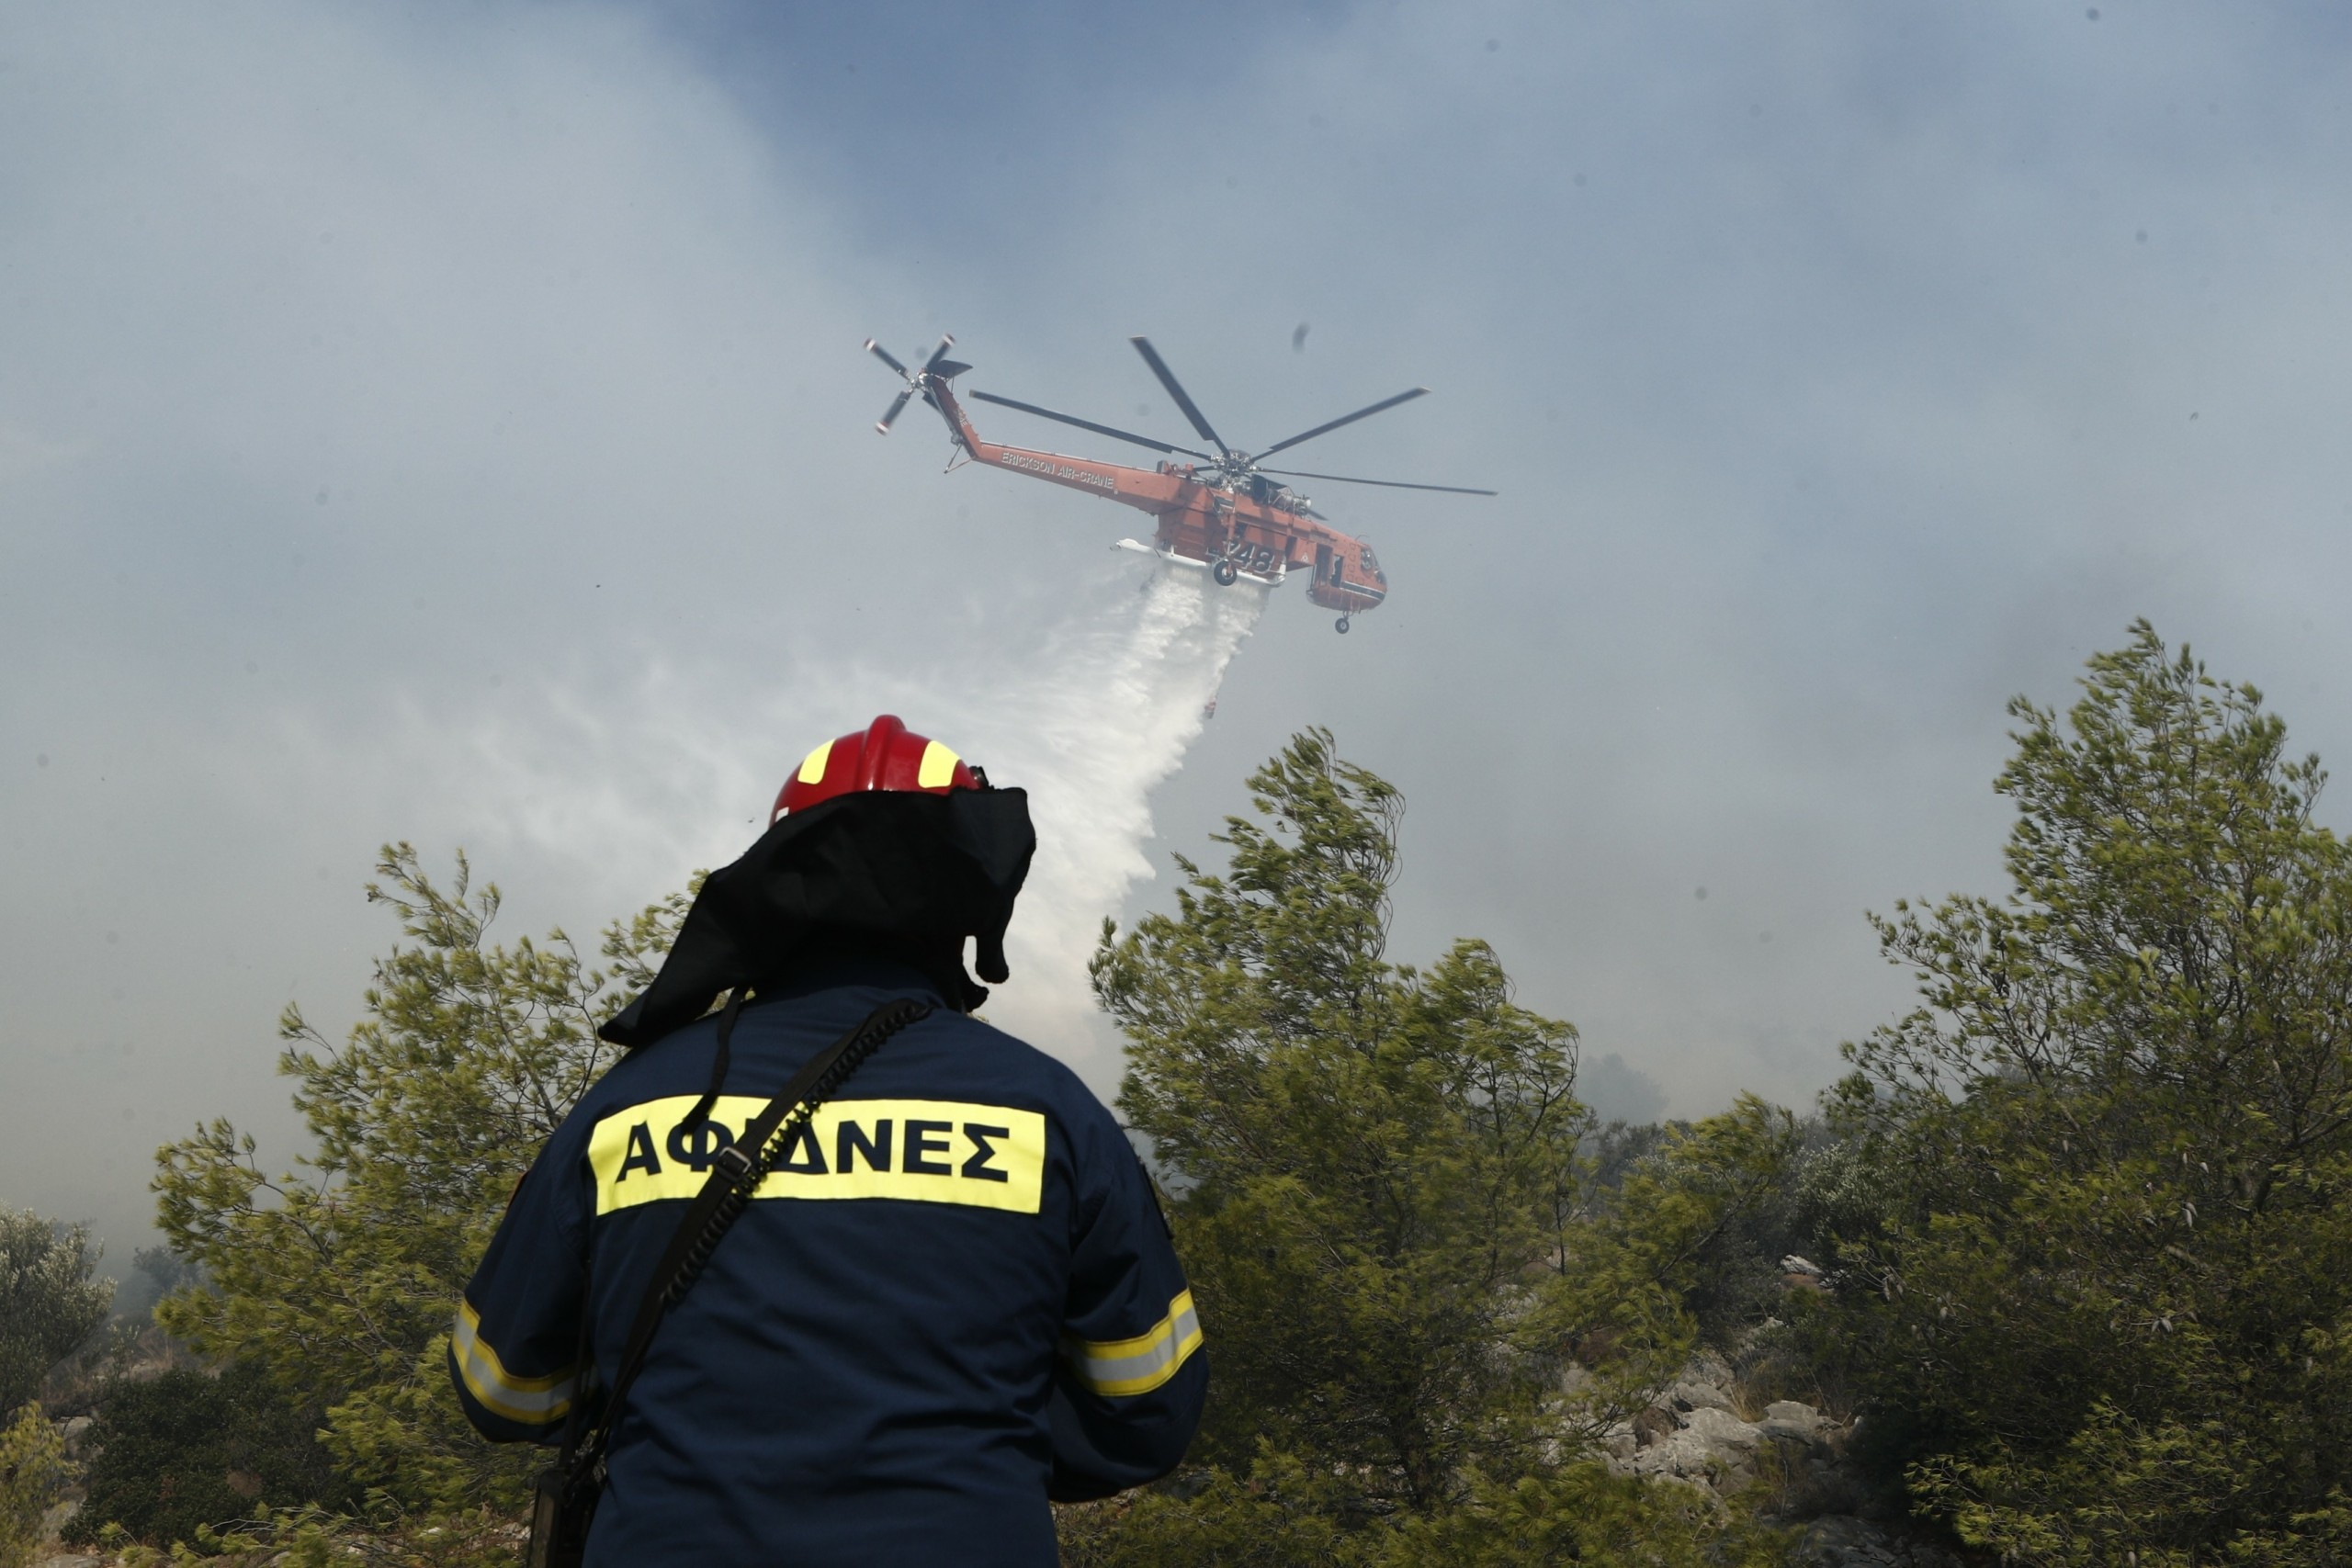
x=1340 y=625
x=1225 y=571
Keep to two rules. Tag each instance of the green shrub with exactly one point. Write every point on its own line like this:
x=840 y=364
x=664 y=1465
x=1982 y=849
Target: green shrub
x=33 y=1474
x=187 y=1450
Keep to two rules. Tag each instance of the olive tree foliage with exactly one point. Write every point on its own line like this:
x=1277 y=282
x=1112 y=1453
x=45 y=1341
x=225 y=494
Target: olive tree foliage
x=1394 y=1239
x=2106 y=1312
x=340 y=1276
x=34 y=1473
x=49 y=1301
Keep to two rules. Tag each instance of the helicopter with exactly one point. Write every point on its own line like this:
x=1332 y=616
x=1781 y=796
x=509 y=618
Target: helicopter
x=1223 y=514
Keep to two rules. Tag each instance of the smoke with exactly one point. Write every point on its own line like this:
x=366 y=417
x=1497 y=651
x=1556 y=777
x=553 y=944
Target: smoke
x=591 y=801
x=1107 y=716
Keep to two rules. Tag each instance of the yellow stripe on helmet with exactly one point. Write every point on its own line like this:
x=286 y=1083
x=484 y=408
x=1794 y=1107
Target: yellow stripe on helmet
x=812 y=769
x=938 y=770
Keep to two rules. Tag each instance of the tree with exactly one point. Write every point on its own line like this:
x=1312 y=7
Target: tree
x=2105 y=1312
x=339 y=1281
x=1394 y=1239
x=1373 y=1159
x=1404 y=1256
x=49 y=1302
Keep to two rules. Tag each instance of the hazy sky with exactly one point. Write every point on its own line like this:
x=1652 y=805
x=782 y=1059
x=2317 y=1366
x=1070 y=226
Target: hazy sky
x=446 y=421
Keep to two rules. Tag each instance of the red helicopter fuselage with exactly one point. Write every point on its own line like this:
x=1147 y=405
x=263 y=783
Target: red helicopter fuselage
x=1257 y=528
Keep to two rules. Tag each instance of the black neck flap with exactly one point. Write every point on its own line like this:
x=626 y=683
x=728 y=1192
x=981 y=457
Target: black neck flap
x=893 y=865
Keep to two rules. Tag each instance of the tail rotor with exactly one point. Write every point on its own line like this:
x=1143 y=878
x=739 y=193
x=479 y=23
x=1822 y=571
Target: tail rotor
x=937 y=367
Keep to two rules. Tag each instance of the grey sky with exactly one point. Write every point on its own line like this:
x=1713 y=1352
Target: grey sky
x=447 y=423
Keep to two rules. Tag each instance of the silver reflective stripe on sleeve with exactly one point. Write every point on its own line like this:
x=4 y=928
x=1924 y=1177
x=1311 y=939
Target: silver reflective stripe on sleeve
x=535 y=1402
x=1121 y=1367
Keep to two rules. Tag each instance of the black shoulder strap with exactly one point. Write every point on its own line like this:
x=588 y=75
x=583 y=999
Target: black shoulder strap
x=737 y=1173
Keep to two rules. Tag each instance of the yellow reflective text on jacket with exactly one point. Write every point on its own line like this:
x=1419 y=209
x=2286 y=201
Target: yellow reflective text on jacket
x=932 y=1150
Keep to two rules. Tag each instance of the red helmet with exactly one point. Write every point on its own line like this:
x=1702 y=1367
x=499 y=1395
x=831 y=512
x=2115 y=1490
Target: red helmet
x=886 y=756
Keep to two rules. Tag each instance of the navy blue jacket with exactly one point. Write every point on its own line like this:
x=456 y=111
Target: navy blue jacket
x=955 y=1285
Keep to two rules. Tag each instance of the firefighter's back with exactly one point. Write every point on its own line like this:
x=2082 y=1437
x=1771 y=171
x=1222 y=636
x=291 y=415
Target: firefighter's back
x=953 y=1294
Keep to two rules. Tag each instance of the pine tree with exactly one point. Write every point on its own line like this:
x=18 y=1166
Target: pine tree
x=1394 y=1238
x=340 y=1278
x=2104 y=1314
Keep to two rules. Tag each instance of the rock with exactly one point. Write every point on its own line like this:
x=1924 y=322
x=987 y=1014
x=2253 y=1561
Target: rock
x=1693 y=1396
x=1710 y=1448
x=1652 y=1425
x=1842 y=1540
x=1790 y=1420
x=1682 y=1457
x=1721 y=1430
x=50 y=1553
x=1695 y=1435
x=1802 y=1274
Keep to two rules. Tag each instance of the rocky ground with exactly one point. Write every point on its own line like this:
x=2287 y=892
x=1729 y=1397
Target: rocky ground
x=1697 y=1435
x=56 y=1556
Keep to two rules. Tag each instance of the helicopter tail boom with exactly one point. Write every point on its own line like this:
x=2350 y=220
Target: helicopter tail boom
x=1139 y=488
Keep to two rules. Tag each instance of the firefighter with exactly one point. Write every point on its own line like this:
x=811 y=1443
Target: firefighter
x=953 y=1297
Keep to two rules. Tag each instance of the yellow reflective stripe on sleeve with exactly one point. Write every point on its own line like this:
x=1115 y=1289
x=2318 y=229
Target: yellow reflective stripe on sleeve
x=813 y=767
x=931 y=1151
x=938 y=769
x=536 y=1401
x=1118 y=1368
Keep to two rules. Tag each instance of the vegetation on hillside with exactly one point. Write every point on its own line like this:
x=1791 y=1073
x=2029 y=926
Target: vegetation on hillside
x=2082 y=1217
x=1395 y=1230
x=33 y=1474
x=336 y=1284
x=2103 y=1310
x=49 y=1300
x=185 y=1450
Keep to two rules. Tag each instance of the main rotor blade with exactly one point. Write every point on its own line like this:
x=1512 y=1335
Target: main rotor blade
x=945 y=343
x=885 y=355
x=883 y=424
x=1385 y=484
x=1344 y=418
x=1089 y=424
x=1176 y=390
